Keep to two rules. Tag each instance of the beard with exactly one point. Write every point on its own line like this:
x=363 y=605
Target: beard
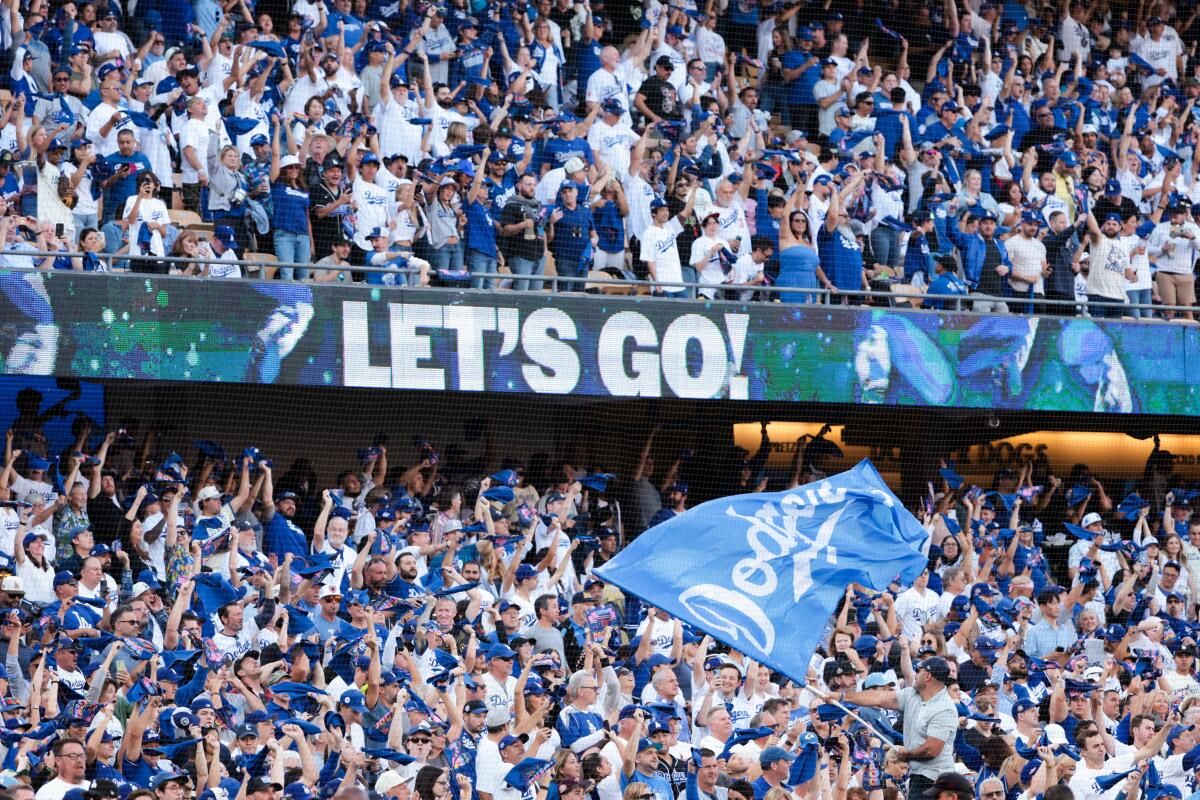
x=409 y=574
x=447 y=104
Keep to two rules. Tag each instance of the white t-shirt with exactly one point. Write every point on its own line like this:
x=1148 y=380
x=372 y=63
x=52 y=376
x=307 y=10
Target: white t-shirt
x=658 y=247
x=375 y=206
x=151 y=210
x=662 y=637
x=708 y=266
x=1162 y=54
x=97 y=119
x=219 y=270
x=396 y=134
x=914 y=610
x=57 y=788
x=1139 y=261
x=614 y=143
x=1106 y=268
x=195 y=134
x=499 y=695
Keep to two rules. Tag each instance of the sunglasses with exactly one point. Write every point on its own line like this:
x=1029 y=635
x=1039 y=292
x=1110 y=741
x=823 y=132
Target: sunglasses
x=421 y=740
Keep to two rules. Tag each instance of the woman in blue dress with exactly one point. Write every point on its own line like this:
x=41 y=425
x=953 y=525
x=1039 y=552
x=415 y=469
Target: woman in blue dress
x=798 y=263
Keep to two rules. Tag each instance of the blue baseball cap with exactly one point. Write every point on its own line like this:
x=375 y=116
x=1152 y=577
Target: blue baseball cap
x=225 y=235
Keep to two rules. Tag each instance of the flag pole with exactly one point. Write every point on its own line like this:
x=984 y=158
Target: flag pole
x=835 y=702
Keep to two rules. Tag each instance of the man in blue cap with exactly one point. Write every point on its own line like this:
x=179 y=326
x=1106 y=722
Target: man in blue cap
x=1027 y=255
x=639 y=759
x=374 y=208
x=1108 y=267
x=775 y=763
x=674 y=503
x=280 y=534
x=985 y=258
x=352 y=705
x=224 y=246
x=572 y=235
x=930 y=722
x=522 y=579
x=498 y=682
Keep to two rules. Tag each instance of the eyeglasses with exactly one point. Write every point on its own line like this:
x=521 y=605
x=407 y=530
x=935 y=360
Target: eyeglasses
x=993 y=794
x=332 y=599
x=71 y=755
x=646 y=796
x=593 y=688
x=422 y=740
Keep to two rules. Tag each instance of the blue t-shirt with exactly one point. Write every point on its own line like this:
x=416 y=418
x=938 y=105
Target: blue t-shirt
x=481 y=229
x=841 y=259
x=610 y=228
x=469 y=62
x=291 y=208
x=572 y=234
x=559 y=151
x=662 y=790
x=800 y=91
x=282 y=536
x=1031 y=557
x=587 y=60
x=917 y=257
x=353 y=30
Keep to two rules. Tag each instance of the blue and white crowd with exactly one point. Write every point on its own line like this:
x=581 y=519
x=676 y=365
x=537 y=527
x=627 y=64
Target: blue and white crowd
x=1039 y=157
x=188 y=623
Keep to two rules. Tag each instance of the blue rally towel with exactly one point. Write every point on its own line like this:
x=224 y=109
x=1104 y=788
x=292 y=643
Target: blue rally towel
x=766 y=570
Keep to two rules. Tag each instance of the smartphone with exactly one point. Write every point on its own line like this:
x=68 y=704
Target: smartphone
x=58 y=230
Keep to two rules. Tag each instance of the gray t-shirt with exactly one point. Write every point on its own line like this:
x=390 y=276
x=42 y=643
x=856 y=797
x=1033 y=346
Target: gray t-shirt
x=544 y=638
x=935 y=718
x=647 y=501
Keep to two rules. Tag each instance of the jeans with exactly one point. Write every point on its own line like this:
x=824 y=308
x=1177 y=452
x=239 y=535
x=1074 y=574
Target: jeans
x=448 y=257
x=293 y=247
x=478 y=263
x=1143 y=296
x=1106 y=311
x=573 y=268
x=84 y=221
x=689 y=276
x=524 y=266
x=885 y=243
x=114 y=238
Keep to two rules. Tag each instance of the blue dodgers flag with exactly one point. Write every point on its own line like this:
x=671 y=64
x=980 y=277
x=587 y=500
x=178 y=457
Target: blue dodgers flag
x=765 y=571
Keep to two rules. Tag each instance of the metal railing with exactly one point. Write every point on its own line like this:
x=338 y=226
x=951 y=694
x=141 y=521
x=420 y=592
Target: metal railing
x=570 y=284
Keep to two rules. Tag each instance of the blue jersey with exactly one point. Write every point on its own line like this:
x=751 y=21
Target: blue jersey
x=841 y=259
x=558 y=151
x=481 y=229
x=282 y=536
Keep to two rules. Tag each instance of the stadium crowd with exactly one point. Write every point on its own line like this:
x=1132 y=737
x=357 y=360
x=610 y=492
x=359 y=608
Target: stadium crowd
x=1022 y=152
x=200 y=627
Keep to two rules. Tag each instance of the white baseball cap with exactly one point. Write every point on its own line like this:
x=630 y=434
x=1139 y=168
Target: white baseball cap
x=329 y=590
x=207 y=493
x=573 y=165
x=289 y=161
x=138 y=589
x=12 y=584
x=1091 y=519
x=391 y=779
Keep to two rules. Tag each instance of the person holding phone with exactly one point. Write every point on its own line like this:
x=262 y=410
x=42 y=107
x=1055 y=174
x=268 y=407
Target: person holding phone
x=145 y=211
